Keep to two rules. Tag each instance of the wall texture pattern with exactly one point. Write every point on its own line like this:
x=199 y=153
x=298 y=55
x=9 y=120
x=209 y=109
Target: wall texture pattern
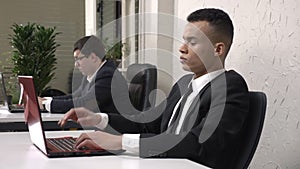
x=266 y=51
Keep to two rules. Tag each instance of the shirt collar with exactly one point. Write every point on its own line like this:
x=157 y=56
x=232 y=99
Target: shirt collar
x=201 y=81
x=90 y=78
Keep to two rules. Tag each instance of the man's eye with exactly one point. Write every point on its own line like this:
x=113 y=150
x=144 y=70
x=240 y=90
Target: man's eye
x=193 y=42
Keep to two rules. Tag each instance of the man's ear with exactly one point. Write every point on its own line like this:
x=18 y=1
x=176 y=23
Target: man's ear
x=94 y=56
x=219 y=49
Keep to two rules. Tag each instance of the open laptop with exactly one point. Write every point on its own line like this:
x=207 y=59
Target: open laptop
x=4 y=100
x=3 y=97
x=51 y=147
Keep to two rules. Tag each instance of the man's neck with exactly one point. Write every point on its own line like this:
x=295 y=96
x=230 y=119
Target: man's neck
x=91 y=76
x=212 y=69
x=197 y=75
x=218 y=71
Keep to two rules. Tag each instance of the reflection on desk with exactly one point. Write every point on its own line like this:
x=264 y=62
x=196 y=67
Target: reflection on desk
x=16 y=122
x=21 y=154
x=19 y=117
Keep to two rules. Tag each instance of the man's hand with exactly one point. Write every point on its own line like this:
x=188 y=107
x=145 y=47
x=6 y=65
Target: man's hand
x=99 y=140
x=82 y=116
x=40 y=100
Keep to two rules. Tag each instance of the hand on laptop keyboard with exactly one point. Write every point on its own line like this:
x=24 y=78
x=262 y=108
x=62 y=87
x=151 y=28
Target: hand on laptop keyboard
x=99 y=140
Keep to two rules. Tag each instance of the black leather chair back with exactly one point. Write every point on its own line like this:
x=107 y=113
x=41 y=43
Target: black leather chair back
x=142 y=79
x=252 y=131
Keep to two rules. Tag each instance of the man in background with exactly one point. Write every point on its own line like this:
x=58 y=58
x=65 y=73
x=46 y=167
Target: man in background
x=94 y=92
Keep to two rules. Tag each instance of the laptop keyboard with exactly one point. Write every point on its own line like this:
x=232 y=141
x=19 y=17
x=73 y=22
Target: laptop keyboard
x=63 y=144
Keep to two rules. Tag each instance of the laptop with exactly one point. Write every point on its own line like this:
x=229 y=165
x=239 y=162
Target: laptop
x=51 y=147
x=4 y=100
x=3 y=97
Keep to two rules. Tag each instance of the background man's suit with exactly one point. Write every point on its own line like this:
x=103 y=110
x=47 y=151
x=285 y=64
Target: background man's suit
x=95 y=95
x=212 y=137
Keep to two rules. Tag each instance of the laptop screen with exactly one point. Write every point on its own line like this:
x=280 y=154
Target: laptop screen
x=3 y=97
x=32 y=113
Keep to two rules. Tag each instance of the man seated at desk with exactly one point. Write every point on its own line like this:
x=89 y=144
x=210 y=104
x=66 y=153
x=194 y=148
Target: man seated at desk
x=94 y=91
x=202 y=117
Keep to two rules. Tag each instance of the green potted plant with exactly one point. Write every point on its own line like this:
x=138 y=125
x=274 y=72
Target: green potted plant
x=33 y=53
x=114 y=50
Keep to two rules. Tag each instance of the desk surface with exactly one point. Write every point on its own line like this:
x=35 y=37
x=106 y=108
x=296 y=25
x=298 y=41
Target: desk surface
x=6 y=117
x=15 y=122
x=17 y=152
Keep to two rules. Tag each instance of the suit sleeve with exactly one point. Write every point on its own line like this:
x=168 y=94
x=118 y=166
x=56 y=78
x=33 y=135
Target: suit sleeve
x=62 y=104
x=136 y=122
x=98 y=95
x=131 y=120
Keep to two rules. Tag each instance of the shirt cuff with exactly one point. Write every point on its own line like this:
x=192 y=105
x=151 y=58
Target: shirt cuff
x=104 y=121
x=47 y=103
x=131 y=142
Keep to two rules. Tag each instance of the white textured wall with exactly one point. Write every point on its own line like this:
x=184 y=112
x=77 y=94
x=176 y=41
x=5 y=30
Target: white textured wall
x=266 y=52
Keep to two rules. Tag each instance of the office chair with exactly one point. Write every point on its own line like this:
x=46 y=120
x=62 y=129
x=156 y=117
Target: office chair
x=142 y=79
x=252 y=131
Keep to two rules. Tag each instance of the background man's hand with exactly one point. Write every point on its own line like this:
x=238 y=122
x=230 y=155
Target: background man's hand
x=40 y=100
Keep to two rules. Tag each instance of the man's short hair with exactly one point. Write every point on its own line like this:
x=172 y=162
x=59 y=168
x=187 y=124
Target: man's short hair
x=90 y=44
x=216 y=18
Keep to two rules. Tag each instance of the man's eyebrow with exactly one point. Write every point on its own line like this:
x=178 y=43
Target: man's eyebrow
x=189 y=37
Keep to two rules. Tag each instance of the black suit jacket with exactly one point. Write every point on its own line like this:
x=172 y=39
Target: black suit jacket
x=95 y=95
x=213 y=132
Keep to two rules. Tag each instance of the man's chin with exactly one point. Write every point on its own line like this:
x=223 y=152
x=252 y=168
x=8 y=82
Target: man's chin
x=186 y=68
x=83 y=73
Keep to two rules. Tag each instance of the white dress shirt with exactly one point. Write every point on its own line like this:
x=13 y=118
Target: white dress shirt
x=131 y=142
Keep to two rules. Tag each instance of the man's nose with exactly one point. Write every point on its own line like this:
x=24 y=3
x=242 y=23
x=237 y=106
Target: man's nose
x=183 y=49
x=76 y=64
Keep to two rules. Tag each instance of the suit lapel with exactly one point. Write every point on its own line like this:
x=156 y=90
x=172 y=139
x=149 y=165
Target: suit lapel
x=193 y=111
x=173 y=98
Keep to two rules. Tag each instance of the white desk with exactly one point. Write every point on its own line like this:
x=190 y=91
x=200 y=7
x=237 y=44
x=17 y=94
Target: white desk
x=17 y=152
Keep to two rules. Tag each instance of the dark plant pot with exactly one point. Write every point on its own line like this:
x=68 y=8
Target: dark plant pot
x=9 y=99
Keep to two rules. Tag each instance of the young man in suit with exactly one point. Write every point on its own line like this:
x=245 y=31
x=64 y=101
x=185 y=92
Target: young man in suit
x=94 y=91
x=202 y=124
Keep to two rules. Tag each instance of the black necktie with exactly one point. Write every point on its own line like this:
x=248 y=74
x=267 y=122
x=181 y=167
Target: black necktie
x=175 y=121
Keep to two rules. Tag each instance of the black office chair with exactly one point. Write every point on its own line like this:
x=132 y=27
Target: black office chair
x=252 y=130
x=142 y=79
